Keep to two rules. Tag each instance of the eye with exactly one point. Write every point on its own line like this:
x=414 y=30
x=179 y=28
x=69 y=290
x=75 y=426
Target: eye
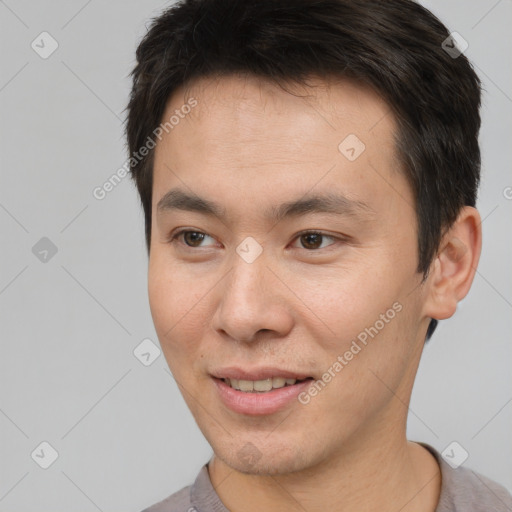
x=312 y=240
x=309 y=240
x=190 y=238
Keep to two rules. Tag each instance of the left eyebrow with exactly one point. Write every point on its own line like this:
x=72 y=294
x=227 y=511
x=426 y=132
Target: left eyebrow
x=178 y=199
x=326 y=203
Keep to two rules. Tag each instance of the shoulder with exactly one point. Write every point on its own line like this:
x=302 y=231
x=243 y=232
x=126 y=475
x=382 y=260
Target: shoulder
x=177 y=502
x=468 y=490
x=200 y=493
x=465 y=490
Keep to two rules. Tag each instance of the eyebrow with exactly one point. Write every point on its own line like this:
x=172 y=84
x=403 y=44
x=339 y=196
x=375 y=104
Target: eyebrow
x=178 y=199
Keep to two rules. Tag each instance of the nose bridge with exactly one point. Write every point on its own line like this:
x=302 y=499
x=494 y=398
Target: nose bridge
x=246 y=282
x=248 y=303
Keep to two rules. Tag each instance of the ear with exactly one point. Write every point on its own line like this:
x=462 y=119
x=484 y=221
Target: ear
x=453 y=269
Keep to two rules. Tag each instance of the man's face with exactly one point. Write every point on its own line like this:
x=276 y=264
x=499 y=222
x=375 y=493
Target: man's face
x=225 y=312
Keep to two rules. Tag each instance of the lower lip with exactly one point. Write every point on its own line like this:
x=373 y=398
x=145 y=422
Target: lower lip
x=258 y=404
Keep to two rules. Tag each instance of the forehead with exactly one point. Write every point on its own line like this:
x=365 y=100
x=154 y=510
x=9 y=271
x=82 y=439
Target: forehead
x=334 y=100
x=244 y=133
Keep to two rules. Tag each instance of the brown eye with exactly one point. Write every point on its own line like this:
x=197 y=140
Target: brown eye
x=193 y=238
x=313 y=240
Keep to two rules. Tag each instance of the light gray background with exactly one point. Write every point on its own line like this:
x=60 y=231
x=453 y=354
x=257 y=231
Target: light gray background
x=69 y=326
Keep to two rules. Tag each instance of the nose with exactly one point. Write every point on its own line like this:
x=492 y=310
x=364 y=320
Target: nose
x=253 y=303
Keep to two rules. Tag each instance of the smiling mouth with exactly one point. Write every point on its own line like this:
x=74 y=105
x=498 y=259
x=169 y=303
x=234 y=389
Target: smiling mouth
x=262 y=386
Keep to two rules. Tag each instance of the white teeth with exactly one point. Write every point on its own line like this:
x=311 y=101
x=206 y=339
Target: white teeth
x=263 y=385
x=245 y=385
x=278 y=382
x=260 y=385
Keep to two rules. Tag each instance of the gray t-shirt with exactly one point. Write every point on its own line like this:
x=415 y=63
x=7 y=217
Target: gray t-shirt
x=462 y=490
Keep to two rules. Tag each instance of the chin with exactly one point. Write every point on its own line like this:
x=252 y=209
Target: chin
x=263 y=457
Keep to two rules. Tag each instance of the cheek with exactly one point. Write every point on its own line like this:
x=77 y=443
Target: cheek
x=177 y=302
x=368 y=376
x=366 y=333
x=342 y=302
x=385 y=344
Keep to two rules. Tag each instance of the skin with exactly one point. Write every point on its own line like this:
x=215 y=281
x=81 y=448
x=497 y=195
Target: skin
x=248 y=145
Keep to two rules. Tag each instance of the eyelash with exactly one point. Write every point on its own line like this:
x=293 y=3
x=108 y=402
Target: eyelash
x=173 y=238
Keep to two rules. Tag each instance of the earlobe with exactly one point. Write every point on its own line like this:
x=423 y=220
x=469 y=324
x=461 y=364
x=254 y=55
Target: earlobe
x=454 y=267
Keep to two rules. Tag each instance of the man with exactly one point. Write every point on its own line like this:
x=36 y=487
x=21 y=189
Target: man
x=308 y=172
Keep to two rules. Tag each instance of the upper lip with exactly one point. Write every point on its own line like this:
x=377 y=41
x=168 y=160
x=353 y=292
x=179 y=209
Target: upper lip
x=261 y=373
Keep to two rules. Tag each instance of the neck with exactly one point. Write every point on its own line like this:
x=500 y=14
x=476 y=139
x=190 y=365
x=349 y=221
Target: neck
x=390 y=476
